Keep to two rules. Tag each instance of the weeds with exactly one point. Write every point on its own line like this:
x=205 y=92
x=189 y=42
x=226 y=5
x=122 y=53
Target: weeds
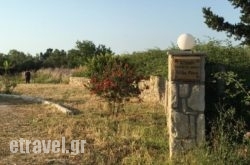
x=7 y=83
x=49 y=75
x=139 y=137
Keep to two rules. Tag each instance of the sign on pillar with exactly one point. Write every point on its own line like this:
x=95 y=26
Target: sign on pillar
x=186 y=100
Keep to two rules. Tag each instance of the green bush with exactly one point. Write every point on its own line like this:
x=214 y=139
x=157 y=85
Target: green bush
x=114 y=79
x=79 y=72
x=96 y=65
x=7 y=83
x=224 y=54
x=151 y=62
x=226 y=144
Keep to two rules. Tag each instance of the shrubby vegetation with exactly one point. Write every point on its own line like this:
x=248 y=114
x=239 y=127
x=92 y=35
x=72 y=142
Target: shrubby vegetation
x=114 y=79
x=150 y=62
x=227 y=99
x=53 y=58
x=51 y=75
x=227 y=79
x=51 y=66
x=227 y=86
x=7 y=82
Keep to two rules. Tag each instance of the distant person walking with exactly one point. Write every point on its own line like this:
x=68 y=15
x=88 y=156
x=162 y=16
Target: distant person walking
x=27 y=76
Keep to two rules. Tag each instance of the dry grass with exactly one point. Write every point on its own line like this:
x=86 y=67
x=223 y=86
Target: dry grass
x=136 y=137
x=50 y=75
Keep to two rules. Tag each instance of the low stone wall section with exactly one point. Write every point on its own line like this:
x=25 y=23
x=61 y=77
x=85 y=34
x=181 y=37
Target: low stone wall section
x=78 y=81
x=39 y=100
x=153 y=89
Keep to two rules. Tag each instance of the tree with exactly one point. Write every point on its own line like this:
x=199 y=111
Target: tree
x=74 y=58
x=2 y=59
x=57 y=59
x=7 y=84
x=89 y=49
x=102 y=49
x=44 y=56
x=84 y=51
x=86 y=48
x=54 y=58
x=240 y=30
x=114 y=79
x=16 y=60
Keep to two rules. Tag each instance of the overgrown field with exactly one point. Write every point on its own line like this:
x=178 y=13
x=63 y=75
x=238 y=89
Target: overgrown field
x=139 y=134
x=136 y=136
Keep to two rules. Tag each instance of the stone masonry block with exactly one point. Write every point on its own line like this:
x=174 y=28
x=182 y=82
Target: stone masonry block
x=183 y=90
x=173 y=95
x=196 y=101
x=200 y=137
x=192 y=126
x=179 y=125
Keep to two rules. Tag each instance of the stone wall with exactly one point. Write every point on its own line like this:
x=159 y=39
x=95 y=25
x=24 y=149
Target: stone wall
x=153 y=90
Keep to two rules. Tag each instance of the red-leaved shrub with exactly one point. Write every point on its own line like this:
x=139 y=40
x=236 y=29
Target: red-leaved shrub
x=115 y=82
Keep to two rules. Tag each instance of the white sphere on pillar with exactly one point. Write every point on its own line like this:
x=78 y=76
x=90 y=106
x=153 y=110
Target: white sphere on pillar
x=186 y=41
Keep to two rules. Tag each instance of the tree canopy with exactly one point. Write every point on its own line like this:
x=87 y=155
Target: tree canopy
x=240 y=30
x=54 y=58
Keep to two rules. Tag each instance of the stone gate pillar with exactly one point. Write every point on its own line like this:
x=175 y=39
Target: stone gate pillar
x=186 y=100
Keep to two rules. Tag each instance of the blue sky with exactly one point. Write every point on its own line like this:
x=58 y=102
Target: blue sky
x=125 y=26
